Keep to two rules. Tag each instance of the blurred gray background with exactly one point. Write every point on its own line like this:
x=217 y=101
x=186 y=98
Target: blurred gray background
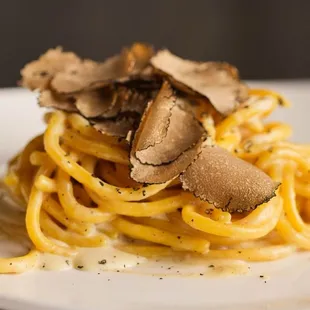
x=265 y=39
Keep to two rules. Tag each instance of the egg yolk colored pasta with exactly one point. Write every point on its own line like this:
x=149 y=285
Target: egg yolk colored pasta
x=73 y=179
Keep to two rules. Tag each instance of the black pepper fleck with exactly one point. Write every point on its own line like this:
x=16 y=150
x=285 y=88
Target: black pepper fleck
x=280 y=101
x=211 y=266
x=102 y=262
x=80 y=267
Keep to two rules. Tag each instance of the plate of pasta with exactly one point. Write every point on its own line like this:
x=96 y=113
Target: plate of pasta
x=147 y=181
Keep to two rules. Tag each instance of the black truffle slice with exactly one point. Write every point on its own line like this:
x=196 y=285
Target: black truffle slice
x=167 y=129
x=50 y=99
x=38 y=73
x=167 y=140
x=227 y=182
x=132 y=63
x=217 y=81
x=134 y=101
x=97 y=103
x=151 y=174
x=118 y=127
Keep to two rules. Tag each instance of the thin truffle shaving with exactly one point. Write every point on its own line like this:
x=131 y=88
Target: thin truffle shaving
x=166 y=130
x=166 y=141
x=152 y=174
x=107 y=103
x=90 y=75
x=218 y=82
x=119 y=127
x=96 y=103
x=50 y=99
x=227 y=182
x=38 y=74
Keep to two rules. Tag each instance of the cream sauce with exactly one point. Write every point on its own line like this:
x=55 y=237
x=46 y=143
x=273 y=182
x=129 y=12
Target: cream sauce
x=91 y=259
x=15 y=242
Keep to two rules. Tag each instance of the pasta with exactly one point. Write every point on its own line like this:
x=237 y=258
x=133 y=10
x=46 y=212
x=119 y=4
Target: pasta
x=215 y=235
x=74 y=179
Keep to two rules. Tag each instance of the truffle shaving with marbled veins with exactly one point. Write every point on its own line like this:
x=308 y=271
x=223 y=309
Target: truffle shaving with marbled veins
x=151 y=174
x=113 y=113
x=227 y=182
x=107 y=103
x=38 y=73
x=133 y=101
x=155 y=103
x=166 y=141
x=217 y=81
x=118 y=127
x=96 y=103
x=166 y=130
x=132 y=63
x=49 y=99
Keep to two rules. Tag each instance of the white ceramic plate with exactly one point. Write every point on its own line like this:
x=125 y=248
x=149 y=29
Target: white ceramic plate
x=287 y=286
